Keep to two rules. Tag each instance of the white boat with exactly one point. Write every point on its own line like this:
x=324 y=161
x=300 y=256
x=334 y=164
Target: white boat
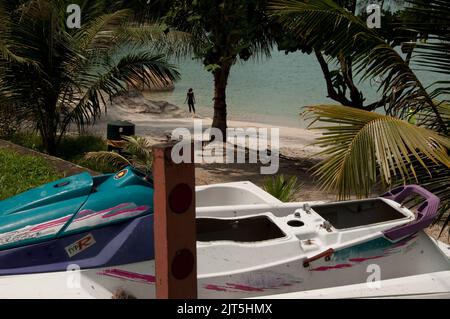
x=251 y=245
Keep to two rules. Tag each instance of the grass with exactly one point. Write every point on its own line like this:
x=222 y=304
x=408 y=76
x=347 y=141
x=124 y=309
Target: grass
x=31 y=171
x=72 y=148
x=28 y=140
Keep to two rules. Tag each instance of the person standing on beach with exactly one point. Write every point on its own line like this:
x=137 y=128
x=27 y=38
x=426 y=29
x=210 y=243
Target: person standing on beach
x=190 y=98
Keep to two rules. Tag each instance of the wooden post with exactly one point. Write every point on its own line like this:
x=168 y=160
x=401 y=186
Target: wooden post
x=174 y=226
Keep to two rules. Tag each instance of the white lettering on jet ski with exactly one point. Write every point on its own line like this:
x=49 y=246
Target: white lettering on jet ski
x=18 y=235
x=33 y=231
x=80 y=245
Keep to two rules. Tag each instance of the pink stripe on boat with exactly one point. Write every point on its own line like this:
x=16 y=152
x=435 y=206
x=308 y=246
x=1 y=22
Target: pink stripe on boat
x=124 y=274
x=360 y=260
x=215 y=287
x=325 y=268
x=243 y=287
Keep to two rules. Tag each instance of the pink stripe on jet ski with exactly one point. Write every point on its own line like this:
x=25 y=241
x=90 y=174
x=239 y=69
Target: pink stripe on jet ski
x=139 y=209
x=50 y=224
x=85 y=214
x=91 y=212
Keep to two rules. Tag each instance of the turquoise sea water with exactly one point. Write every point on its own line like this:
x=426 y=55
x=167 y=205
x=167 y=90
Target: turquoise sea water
x=270 y=90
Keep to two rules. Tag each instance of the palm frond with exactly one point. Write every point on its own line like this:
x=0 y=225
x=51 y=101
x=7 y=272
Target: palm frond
x=330 y=28
x=109 y=159
x=136 y=151
x=362 y=146
x=433 y=57
x=281 y=187
x=7 y=46
x=111 y=76
x=99 y=32
x=158 y=38
x=140 y=149
x=432 y=53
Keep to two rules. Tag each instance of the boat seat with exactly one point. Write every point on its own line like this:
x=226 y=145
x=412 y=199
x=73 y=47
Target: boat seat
x=251 y=229
x=357 y=213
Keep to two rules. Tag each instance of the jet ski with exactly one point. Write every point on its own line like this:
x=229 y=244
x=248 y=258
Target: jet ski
x=90 y=237
x=84 y=220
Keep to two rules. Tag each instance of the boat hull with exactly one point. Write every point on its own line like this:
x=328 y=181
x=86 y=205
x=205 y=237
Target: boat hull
x=415 y=256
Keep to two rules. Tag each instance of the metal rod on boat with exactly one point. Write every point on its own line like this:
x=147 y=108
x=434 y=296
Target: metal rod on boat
x=174 y=225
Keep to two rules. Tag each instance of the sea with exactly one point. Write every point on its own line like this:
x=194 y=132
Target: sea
x=272 y=90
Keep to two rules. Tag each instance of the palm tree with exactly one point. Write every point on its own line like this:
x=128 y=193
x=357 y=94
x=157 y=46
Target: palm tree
x=136 y=151
x=223 y=33
x=56 y=76
x=327 y=27
x=364 y=148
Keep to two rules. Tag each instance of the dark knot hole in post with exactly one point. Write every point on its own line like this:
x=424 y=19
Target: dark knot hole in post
x=182 y=264
x=180 y=198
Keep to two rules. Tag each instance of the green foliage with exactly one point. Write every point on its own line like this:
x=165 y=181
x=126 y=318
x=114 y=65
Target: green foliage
x=282 y=187
x=55 y=76
x=27 y=139
x=136 y=151
x=9 y=125
x=31 y=171
x=223 y=32
x=330 y=28
x=361 y=148
x=72 y=147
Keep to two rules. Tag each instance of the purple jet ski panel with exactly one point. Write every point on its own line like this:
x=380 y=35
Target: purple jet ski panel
x=112 y=245
x=426 y=212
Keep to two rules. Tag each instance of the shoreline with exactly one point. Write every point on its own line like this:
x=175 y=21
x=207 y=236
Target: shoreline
x=294 y=142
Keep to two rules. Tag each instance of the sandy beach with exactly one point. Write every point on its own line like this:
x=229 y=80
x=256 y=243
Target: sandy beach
x=157 y=119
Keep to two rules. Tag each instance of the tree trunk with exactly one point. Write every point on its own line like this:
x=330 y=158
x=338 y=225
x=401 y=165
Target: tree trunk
x=220 y=105
x=49 y=142
x=48 y=130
